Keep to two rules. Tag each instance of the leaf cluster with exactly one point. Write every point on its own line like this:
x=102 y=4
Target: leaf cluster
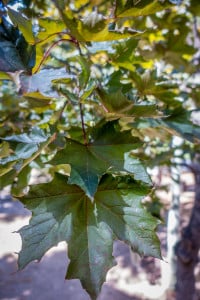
x=92 y=93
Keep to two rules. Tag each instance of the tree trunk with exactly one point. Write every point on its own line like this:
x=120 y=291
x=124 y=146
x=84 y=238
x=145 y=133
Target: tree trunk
x=173 y=220
x=173 y=225
x=188 y=248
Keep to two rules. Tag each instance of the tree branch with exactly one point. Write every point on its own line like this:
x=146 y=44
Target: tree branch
x=49 y=50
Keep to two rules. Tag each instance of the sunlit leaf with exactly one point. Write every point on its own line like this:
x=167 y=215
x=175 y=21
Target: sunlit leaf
x=50 y=28
x=143 y=8
x=23 y=24
x=104 y=34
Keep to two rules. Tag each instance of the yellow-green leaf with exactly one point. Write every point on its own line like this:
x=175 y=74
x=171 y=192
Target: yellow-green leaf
x=24 y=25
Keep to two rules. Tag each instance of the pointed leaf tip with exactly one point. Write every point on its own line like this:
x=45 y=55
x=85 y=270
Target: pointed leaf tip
x=107 y=153
x=67 y=214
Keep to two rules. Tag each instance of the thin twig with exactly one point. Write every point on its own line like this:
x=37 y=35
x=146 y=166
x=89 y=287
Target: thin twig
x=49 y=50
x=59 y=33
x=113 y=14
x=76 y=43
x=82 y=123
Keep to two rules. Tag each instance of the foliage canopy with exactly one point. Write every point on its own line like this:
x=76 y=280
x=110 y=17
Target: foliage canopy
x=92 y=93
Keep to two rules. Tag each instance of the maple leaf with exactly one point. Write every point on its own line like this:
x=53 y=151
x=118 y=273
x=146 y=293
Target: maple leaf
x=62 y=212
x=109 y=151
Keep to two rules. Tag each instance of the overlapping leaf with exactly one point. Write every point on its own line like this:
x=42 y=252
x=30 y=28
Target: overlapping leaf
x=90 y=34
x=93 y=28
x=142 y=8
x=50 y=28
x=62 y=212
x=124 y=54
x=179 y=121
x=23 y=24
x=10 y=60
x=109 y=151
x=15 y=52
x=117 y=106
x=38 y=101
x=36 y=82
x=26 y=144
x=23 y=149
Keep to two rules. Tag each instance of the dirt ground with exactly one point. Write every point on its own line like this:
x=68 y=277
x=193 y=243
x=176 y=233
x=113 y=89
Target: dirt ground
x=132 y=278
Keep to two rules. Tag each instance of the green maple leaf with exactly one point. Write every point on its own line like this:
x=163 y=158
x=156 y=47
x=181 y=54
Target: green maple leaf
x=117 y=106
x=62 y=212
x=109 y=151
x=179 y=122
x=26 y=144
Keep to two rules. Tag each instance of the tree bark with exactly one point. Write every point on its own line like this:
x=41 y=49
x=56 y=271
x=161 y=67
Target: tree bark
x=173 y=220
x=173 y=225
x=188 y=247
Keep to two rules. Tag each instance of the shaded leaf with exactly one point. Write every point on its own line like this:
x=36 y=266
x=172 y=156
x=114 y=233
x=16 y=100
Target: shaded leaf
x=22 y=182
x=114 y=102
x=108 y=152
x=36 y=99
x=7 y=178
x=10 y=60
x=117 y=105
x=27 y=53
x=66 y=214
x=85 y=71
x=179 y=121
x=15 y=52
x=6 y=168
x=26 y=144
x=195 y=7
x=124 y=55
x=88 y=90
